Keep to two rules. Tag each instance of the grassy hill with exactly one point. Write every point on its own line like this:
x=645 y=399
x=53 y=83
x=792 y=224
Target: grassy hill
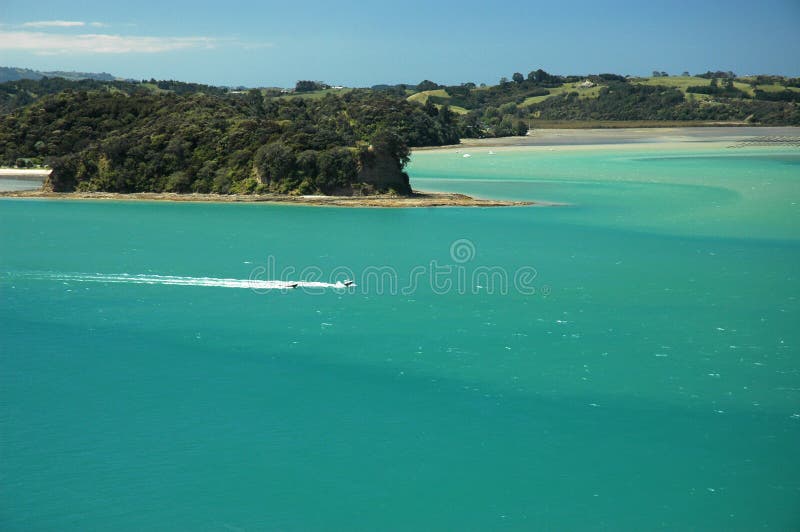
x=591 y=92
x=313 y=95
x=504 y=109
x=439 y=97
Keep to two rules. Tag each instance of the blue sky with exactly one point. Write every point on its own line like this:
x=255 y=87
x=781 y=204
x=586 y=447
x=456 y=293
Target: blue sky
x=356 y=43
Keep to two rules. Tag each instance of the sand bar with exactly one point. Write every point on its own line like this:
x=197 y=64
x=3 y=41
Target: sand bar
x=418 y=199
x=666 y=136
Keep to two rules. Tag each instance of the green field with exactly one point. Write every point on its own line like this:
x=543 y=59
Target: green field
x=422 y=97
x=684 y=82
x=316 y=94
x=774 y=87
x=456 y=109
x=679 y=82
x=592 y=92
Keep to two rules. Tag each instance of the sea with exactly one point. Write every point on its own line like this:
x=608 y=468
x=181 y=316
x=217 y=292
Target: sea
x=623 y=355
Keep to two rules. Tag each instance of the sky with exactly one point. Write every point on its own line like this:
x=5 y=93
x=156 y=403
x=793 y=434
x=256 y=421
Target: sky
x=356 y=43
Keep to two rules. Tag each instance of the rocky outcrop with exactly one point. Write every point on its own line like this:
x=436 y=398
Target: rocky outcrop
x=383 y=172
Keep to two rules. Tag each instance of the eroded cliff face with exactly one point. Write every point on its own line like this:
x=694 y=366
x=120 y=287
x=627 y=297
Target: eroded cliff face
x=383 y=173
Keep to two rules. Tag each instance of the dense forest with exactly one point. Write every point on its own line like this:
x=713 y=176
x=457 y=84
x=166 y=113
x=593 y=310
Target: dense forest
x=129 y=136
x=168 y=136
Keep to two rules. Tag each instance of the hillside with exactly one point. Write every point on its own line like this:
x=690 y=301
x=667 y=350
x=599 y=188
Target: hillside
x=174 y=137
x=15 y=74
x=541 y=98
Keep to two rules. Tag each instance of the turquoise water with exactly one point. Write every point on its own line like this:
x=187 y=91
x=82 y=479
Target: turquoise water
x=645 y=377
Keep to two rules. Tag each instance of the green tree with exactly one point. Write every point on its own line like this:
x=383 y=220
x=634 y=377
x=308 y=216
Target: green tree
x=430 y=108
x=310 y=86
x=541 y=76
x=389 y=143
x=427 y=85
x=307 y=164
x=337 y=169
x=274 y=161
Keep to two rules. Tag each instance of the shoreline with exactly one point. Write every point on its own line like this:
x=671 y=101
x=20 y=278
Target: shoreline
x=632 y=137
x=418 y=199
x=553 y=140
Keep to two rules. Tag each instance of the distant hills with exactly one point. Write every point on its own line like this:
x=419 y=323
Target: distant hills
x=541 y=100
x=15 y=74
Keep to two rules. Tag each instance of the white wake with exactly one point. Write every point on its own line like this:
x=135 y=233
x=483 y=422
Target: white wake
x=173 y=280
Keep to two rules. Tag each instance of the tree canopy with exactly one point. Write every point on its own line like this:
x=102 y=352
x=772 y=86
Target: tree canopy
x=132 y=140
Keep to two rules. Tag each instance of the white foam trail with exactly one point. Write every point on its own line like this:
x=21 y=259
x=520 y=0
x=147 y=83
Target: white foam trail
x=172 y=280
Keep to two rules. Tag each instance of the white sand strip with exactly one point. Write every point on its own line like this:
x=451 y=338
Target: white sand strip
x=26 y=172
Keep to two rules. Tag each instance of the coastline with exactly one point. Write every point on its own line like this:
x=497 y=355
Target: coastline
x=558 y=140
x=561 y=139
x=418 y=199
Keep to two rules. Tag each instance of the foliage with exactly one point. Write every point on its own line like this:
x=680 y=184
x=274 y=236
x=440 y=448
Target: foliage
x=310 y=86
x=508 y=108
x=130 y=138
x=718 y=74
x=726 y=89
x=427 y=85
x=646 y=102
x=778 y=96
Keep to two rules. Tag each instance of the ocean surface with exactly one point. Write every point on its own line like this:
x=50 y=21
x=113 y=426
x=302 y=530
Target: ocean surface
x=628 y=360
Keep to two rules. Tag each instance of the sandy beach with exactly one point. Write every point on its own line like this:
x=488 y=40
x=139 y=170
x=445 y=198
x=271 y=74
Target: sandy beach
x=419 y=199
x=667 y=137
x=25 y=173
